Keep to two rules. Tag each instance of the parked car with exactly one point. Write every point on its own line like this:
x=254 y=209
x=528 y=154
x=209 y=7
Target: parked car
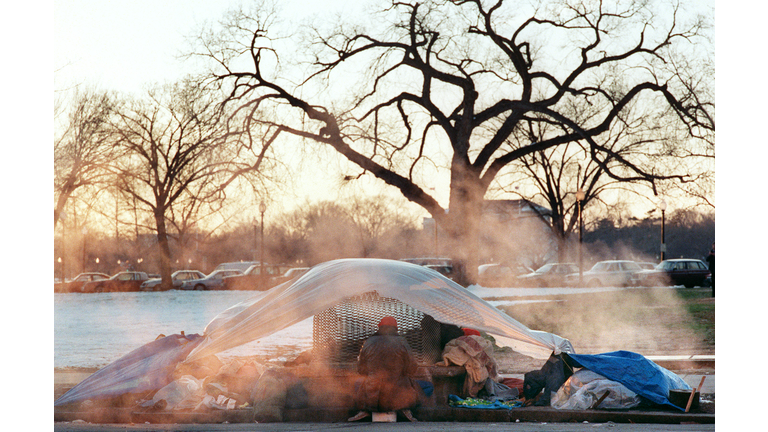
x=499 y=275
x=443 y=266
x=242 y=266
x=683 y=271
x=76 y=284
x=293 y=273
x=646 y=265
x=251 y=278
x=445 y=270
x=608 y=273
x=549 y=275
x=214 y=281
x=122 y=282
x=177 y=278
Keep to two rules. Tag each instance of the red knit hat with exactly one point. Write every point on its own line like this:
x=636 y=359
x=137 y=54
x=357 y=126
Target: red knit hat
x=471 y=332
x=388 y=321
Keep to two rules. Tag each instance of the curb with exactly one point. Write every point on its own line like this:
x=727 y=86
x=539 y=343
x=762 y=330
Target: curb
x=424 y=414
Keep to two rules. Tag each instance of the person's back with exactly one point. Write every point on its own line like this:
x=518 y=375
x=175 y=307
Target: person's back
x=388 y=367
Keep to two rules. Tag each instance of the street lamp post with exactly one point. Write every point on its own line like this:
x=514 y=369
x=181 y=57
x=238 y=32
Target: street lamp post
x=663 y=249
x=84 y=230
x=580 y=195
x=262 y=209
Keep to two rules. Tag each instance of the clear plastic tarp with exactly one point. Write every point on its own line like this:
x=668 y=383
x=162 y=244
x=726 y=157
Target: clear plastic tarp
x=329 y=283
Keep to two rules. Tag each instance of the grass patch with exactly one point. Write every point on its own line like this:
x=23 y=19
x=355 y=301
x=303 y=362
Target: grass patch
x=648 y=321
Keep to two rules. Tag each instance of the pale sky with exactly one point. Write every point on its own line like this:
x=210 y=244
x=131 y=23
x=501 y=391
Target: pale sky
x=124 y=45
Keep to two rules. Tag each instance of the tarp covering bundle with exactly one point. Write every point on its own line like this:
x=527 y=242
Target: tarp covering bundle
x=147 y=368
x=331 y=282
x=636 y=372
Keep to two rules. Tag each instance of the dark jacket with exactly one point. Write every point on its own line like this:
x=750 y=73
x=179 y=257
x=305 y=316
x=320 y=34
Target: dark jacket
x=388 y=367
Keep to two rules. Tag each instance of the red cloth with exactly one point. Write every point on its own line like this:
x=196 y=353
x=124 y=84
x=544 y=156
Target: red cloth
x=514 y=383
x=470 y=332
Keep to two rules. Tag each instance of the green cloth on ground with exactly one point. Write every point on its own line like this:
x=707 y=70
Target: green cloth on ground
x=458 y=402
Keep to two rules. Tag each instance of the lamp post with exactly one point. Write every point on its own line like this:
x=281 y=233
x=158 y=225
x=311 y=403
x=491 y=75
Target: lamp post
x=84 y=230
x=262 y=209
x=580 y=195
x=663 y=208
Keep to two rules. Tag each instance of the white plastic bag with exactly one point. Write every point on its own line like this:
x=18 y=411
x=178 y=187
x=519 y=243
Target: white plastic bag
x=185 y=393
x=585 y=387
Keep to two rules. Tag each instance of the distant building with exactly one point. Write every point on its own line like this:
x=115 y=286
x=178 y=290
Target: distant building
x=512 y=231
x=516 y=231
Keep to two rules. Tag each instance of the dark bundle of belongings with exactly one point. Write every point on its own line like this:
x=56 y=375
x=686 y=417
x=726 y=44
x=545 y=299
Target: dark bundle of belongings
x=539 y=385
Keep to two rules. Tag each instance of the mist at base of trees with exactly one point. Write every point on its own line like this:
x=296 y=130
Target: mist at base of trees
x=326 y=231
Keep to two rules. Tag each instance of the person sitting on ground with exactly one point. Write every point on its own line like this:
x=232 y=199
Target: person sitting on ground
x=475 y=353
x=388 y=367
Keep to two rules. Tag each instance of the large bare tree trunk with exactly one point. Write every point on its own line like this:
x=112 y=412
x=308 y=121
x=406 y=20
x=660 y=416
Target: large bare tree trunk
x=164 y=249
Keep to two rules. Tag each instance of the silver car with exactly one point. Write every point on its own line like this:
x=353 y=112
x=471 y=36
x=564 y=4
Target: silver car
x=608 y=273
x=177 y=278
x=214 y=281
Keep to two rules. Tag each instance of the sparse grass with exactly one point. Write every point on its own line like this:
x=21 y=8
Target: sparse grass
x=648 y=321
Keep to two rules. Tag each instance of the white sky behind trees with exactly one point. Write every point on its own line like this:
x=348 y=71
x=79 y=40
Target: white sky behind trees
x=128 y=45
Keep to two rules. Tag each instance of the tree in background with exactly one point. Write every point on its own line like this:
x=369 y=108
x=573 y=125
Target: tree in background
x=446 y=84
x=84 y=147
x=359 y=228
x=177 y=155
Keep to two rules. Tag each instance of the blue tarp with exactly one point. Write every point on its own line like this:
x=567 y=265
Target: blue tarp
x=636 y=372
x=149 y=367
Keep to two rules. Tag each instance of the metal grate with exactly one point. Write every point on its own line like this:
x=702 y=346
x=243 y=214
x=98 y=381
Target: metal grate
x=338 y=333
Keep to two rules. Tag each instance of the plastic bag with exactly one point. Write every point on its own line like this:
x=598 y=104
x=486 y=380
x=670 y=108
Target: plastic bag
x=185 y=393
x=585 y=387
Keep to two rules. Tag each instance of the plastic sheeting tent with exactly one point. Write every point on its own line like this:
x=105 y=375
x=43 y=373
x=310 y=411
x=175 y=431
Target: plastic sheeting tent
x=326 y=284
x=145 y=369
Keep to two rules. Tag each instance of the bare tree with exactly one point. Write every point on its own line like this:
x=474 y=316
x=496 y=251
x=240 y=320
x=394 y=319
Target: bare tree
x=375 y=218
x=84 y=146
x=459 y=78
x=558 y=173
x=177 y=155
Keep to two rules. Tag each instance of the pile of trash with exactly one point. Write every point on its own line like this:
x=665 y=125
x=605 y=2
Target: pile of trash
x=154 y=378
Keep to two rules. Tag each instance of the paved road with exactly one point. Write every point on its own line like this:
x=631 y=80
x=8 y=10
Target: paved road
x=380 y=427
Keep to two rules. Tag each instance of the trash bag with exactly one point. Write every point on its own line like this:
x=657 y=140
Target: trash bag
x=584 y=388
x=270 y=395
x=186 y=393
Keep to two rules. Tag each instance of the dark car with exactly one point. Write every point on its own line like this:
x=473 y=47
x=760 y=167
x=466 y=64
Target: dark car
x=445 y=270
x=444 y=266
x=683 y=271
x=548 y=275
x=177 y=278
x=76 y=284
x=214 y=281
x=122 y=282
